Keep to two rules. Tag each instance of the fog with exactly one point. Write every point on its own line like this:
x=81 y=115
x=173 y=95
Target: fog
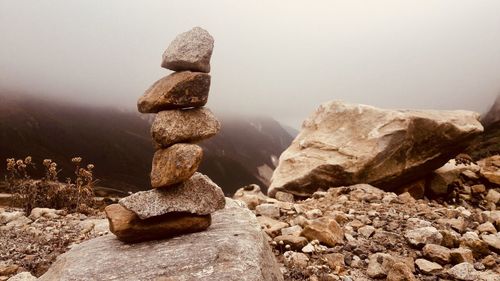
x=279 y=58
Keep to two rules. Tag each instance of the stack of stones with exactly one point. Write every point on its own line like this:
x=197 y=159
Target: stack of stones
x=182 y=199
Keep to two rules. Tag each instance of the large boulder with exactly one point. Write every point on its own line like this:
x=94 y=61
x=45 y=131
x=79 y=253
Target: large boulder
x=343 y=144
x=232 y=248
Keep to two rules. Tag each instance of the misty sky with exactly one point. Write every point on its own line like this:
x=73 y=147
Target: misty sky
x=279 y=58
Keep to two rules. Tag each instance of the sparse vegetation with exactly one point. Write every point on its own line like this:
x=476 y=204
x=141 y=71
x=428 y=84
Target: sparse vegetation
x=74 y=195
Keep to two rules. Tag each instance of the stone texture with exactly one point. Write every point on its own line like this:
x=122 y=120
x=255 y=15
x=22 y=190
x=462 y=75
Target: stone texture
x=343 y=144
x=175 y=164
x=325 y=230
x=198 y=195
x=189 y=125
x=177 y=90
x=127 y=226
x=233 y=246
x=190 y=50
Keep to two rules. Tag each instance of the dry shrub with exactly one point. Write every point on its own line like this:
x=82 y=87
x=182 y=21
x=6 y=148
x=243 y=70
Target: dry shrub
x=48 y=192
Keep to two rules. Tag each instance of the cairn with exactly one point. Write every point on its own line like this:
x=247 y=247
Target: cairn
x=182 y=199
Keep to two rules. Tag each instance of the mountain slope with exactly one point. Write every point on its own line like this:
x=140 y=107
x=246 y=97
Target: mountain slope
x=119 y=143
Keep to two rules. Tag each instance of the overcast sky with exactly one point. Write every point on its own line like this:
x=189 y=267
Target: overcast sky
x=279 y=58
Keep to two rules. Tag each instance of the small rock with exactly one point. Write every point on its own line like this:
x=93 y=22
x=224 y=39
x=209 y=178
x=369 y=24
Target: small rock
x=463 y=271
x=437 y=253
x=366 y=231
x=400 y=271
x=460 y=255
x=271 y=226
x=43 y=212
x=251 y=195
x=493 y=196
x=478 y=188
x=335 y=262
x=295 y=242
x=487 y=227
x=309 y=248
x=425 y=235
x=379 y=265
x=313 y=214
x=493 y=240
x=413 y=223
x=6 y=217
x=293 y=230
x=190 y=50
x=268 y=210
x=295 y=260
x=451 y=239
x=428 y=267
x=471 y=240
x=325 y=230
x=7 y=269
x=489 y=261
x=490 y=169
x=284 y=196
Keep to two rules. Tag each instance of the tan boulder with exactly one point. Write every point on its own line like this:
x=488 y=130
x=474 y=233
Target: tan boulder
x=177 y=90
x=175 y=164
x=189 y=125
x=325 y=230
x=343 y=144
x=128 y=227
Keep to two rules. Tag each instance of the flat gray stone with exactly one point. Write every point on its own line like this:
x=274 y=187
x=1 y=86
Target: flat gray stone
x=190 y=50
x=198 y=195
x=232 y=248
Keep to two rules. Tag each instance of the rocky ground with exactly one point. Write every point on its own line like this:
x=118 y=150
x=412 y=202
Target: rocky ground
x=32 y=242
x=363 y=233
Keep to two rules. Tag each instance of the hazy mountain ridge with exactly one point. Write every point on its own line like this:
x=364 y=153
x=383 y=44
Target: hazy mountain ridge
x=118 y=142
